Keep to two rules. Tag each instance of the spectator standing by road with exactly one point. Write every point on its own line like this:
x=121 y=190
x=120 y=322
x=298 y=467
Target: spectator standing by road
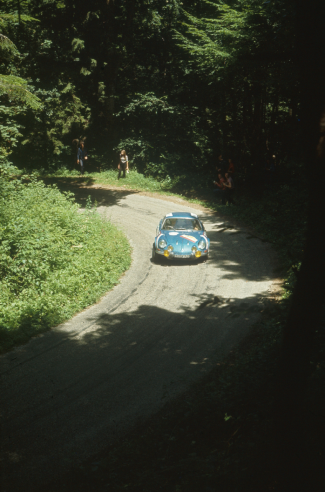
x=123 y=164
x=82 y=155
x=229 y=187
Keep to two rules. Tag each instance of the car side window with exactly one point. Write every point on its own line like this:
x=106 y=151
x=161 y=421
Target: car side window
x=168 y=224
x=196 y=225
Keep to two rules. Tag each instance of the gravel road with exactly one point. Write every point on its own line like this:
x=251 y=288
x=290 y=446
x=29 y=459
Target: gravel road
x=69 y=393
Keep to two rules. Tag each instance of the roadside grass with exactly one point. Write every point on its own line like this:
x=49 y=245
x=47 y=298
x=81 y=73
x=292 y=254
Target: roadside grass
x=135 y=181
x=54 y=261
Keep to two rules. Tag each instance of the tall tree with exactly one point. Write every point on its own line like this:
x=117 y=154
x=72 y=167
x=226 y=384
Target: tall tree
x=245 y=51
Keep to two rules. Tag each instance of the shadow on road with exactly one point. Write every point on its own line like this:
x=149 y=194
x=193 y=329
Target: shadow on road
x=81 y=188
x=115 y=370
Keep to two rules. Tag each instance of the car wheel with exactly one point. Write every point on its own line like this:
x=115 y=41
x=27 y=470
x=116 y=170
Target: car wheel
x=154 y=256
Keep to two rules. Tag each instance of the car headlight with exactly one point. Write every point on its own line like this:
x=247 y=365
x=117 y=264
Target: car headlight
x=201 y=244
x=162 y=243
x=194 y=248
x=170 y=248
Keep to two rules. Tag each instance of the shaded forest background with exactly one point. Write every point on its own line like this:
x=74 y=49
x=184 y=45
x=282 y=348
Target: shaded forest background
x=174 y=82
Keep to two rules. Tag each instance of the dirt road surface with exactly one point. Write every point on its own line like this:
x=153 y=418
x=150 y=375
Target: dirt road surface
x=72 y=391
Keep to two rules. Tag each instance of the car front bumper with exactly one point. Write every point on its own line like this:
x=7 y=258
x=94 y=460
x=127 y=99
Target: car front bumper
x=179 y=256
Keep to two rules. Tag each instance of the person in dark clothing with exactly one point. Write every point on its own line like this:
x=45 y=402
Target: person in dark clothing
x=220 y=191
x=82 y=155
x=229 y=189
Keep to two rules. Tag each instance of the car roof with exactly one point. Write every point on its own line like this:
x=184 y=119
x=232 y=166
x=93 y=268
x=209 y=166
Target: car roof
x=181 y=215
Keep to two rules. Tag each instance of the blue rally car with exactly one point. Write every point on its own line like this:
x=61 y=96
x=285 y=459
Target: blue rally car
x=180 y=235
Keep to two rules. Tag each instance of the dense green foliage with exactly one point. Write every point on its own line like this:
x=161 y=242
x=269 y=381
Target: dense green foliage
x=175 y=83
x=54 y=261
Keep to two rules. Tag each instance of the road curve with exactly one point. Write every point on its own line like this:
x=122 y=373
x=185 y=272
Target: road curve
x=69 y=393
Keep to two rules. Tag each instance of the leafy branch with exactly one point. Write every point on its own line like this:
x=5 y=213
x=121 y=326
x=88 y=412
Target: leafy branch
x=16 y=89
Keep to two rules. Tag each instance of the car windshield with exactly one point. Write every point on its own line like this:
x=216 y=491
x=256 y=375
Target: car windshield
x=182 y=224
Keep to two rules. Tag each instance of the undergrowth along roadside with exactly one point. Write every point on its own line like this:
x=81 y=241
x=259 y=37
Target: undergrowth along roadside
x=54 y=261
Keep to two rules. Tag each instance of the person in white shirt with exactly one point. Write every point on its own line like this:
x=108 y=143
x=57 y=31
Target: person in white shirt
x=123 y=164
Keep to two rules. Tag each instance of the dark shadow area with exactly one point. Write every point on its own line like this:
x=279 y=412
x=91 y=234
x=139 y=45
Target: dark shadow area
x=216 y=436
x=75 y=181
x=164 y=262
x=79 y=187
x=113 y=371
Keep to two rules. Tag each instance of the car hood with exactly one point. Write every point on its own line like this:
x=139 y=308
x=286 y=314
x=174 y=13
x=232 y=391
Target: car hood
x=182 y=240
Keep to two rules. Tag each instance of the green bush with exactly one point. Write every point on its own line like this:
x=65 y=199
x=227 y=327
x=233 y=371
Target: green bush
x=54 y=261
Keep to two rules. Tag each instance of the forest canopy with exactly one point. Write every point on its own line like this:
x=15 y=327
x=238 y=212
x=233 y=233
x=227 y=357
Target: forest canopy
x=174 y=82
